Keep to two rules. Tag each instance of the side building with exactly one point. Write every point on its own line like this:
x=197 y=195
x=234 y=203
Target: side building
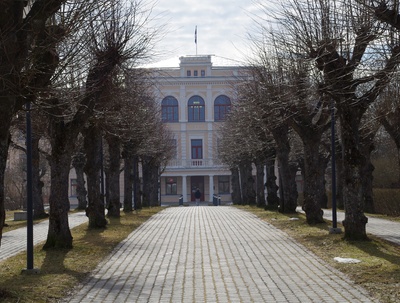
x=194 y=101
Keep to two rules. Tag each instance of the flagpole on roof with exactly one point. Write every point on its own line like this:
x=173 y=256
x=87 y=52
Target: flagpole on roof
x=195 y=38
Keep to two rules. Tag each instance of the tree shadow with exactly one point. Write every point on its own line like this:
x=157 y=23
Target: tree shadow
x=54 y=262
x=16 y=288
x=300 y=219
x=114 y=220
x=374 y=248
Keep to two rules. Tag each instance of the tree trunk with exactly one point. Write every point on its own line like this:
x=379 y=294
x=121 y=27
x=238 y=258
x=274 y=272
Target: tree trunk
x=323 y=166
x=367 y=147
x=78 y=162
x=339 y=177
x=128 y=180
x=112 y=177
x=150 y=182
x=247 y=184
x=38 y=207
x=59 y=234
x=236 y=191
x=272 y=188
x=294 y=195
x=62 y=140
x=288 y=200
x=95 y=210
x=137 y=193
x=355 y=221
x=314 y=188
x=260 y=185
x=6 y=112
x=367 y=187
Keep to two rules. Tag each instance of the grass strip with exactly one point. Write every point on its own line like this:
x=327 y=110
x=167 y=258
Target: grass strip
x=379 y=269
x=11 y=224
x=61 y=269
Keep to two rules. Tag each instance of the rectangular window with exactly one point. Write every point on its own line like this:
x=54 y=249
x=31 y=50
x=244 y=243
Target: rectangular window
x=223 y=185
x=171 y=186
x=74 y=185
x=188 y=73
x=197 y=149
x=203 y=73
x=195 y=73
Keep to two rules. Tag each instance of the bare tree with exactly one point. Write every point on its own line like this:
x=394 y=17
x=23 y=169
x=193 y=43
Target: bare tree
x=155 y=152
x=309 y=116
x=113 y=36
x=132 y=120
x=268 y=91
x=242 y=142
x=356 y=56
x=25 y=43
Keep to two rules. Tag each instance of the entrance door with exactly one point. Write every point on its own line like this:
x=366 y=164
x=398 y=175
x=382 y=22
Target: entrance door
x=197 y=182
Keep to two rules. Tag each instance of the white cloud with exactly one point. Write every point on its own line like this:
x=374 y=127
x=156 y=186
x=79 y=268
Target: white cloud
x=221 y=28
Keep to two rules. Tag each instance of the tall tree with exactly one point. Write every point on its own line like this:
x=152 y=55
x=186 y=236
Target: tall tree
x=356 y=57
x=311 y=125
x=125 y=38
x=25 y=42
x=243 y=142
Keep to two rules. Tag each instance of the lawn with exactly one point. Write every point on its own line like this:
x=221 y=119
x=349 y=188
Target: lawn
x=379 y=269
x=61 y=270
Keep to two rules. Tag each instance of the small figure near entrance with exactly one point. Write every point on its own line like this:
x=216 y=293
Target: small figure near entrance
x=197 y=196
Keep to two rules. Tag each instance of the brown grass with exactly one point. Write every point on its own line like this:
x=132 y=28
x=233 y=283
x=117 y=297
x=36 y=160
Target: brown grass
x=11 y=224
x=61 y=270
x=379 y=271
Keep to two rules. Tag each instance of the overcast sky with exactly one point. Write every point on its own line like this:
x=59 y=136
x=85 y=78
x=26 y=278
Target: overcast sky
x=221 y=29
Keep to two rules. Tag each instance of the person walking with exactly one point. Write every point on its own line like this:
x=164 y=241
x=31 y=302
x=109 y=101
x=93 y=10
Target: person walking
x=197 y=196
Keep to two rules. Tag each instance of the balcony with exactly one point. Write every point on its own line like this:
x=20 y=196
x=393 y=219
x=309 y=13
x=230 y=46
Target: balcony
x=195 y=163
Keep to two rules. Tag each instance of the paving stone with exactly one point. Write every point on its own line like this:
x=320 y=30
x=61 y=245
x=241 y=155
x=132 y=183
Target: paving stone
x=214 y=254
x=15 y=241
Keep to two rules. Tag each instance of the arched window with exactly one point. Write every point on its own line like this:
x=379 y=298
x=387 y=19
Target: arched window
x=222 y=106
x=169 y=108
x=196 y=109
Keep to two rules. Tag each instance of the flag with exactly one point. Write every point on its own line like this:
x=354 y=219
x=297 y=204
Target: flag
x=195 y=35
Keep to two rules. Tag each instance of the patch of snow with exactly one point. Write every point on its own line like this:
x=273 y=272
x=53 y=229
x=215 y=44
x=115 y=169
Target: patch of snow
x=346 y=260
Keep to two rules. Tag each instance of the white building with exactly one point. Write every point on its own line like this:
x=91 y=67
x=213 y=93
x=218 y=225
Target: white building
x=194 y=99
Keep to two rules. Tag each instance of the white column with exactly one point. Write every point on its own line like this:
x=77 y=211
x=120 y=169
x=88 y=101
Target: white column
x=184 y=189
x=211 y=177
x=182 y=104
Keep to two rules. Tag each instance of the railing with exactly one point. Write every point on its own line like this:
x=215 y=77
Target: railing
x=216 y=200
x=194 y=163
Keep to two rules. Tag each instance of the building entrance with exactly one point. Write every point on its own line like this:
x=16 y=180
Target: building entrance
x=197 y=182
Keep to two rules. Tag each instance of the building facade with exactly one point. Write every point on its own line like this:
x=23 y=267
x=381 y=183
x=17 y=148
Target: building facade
x=194 y=101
